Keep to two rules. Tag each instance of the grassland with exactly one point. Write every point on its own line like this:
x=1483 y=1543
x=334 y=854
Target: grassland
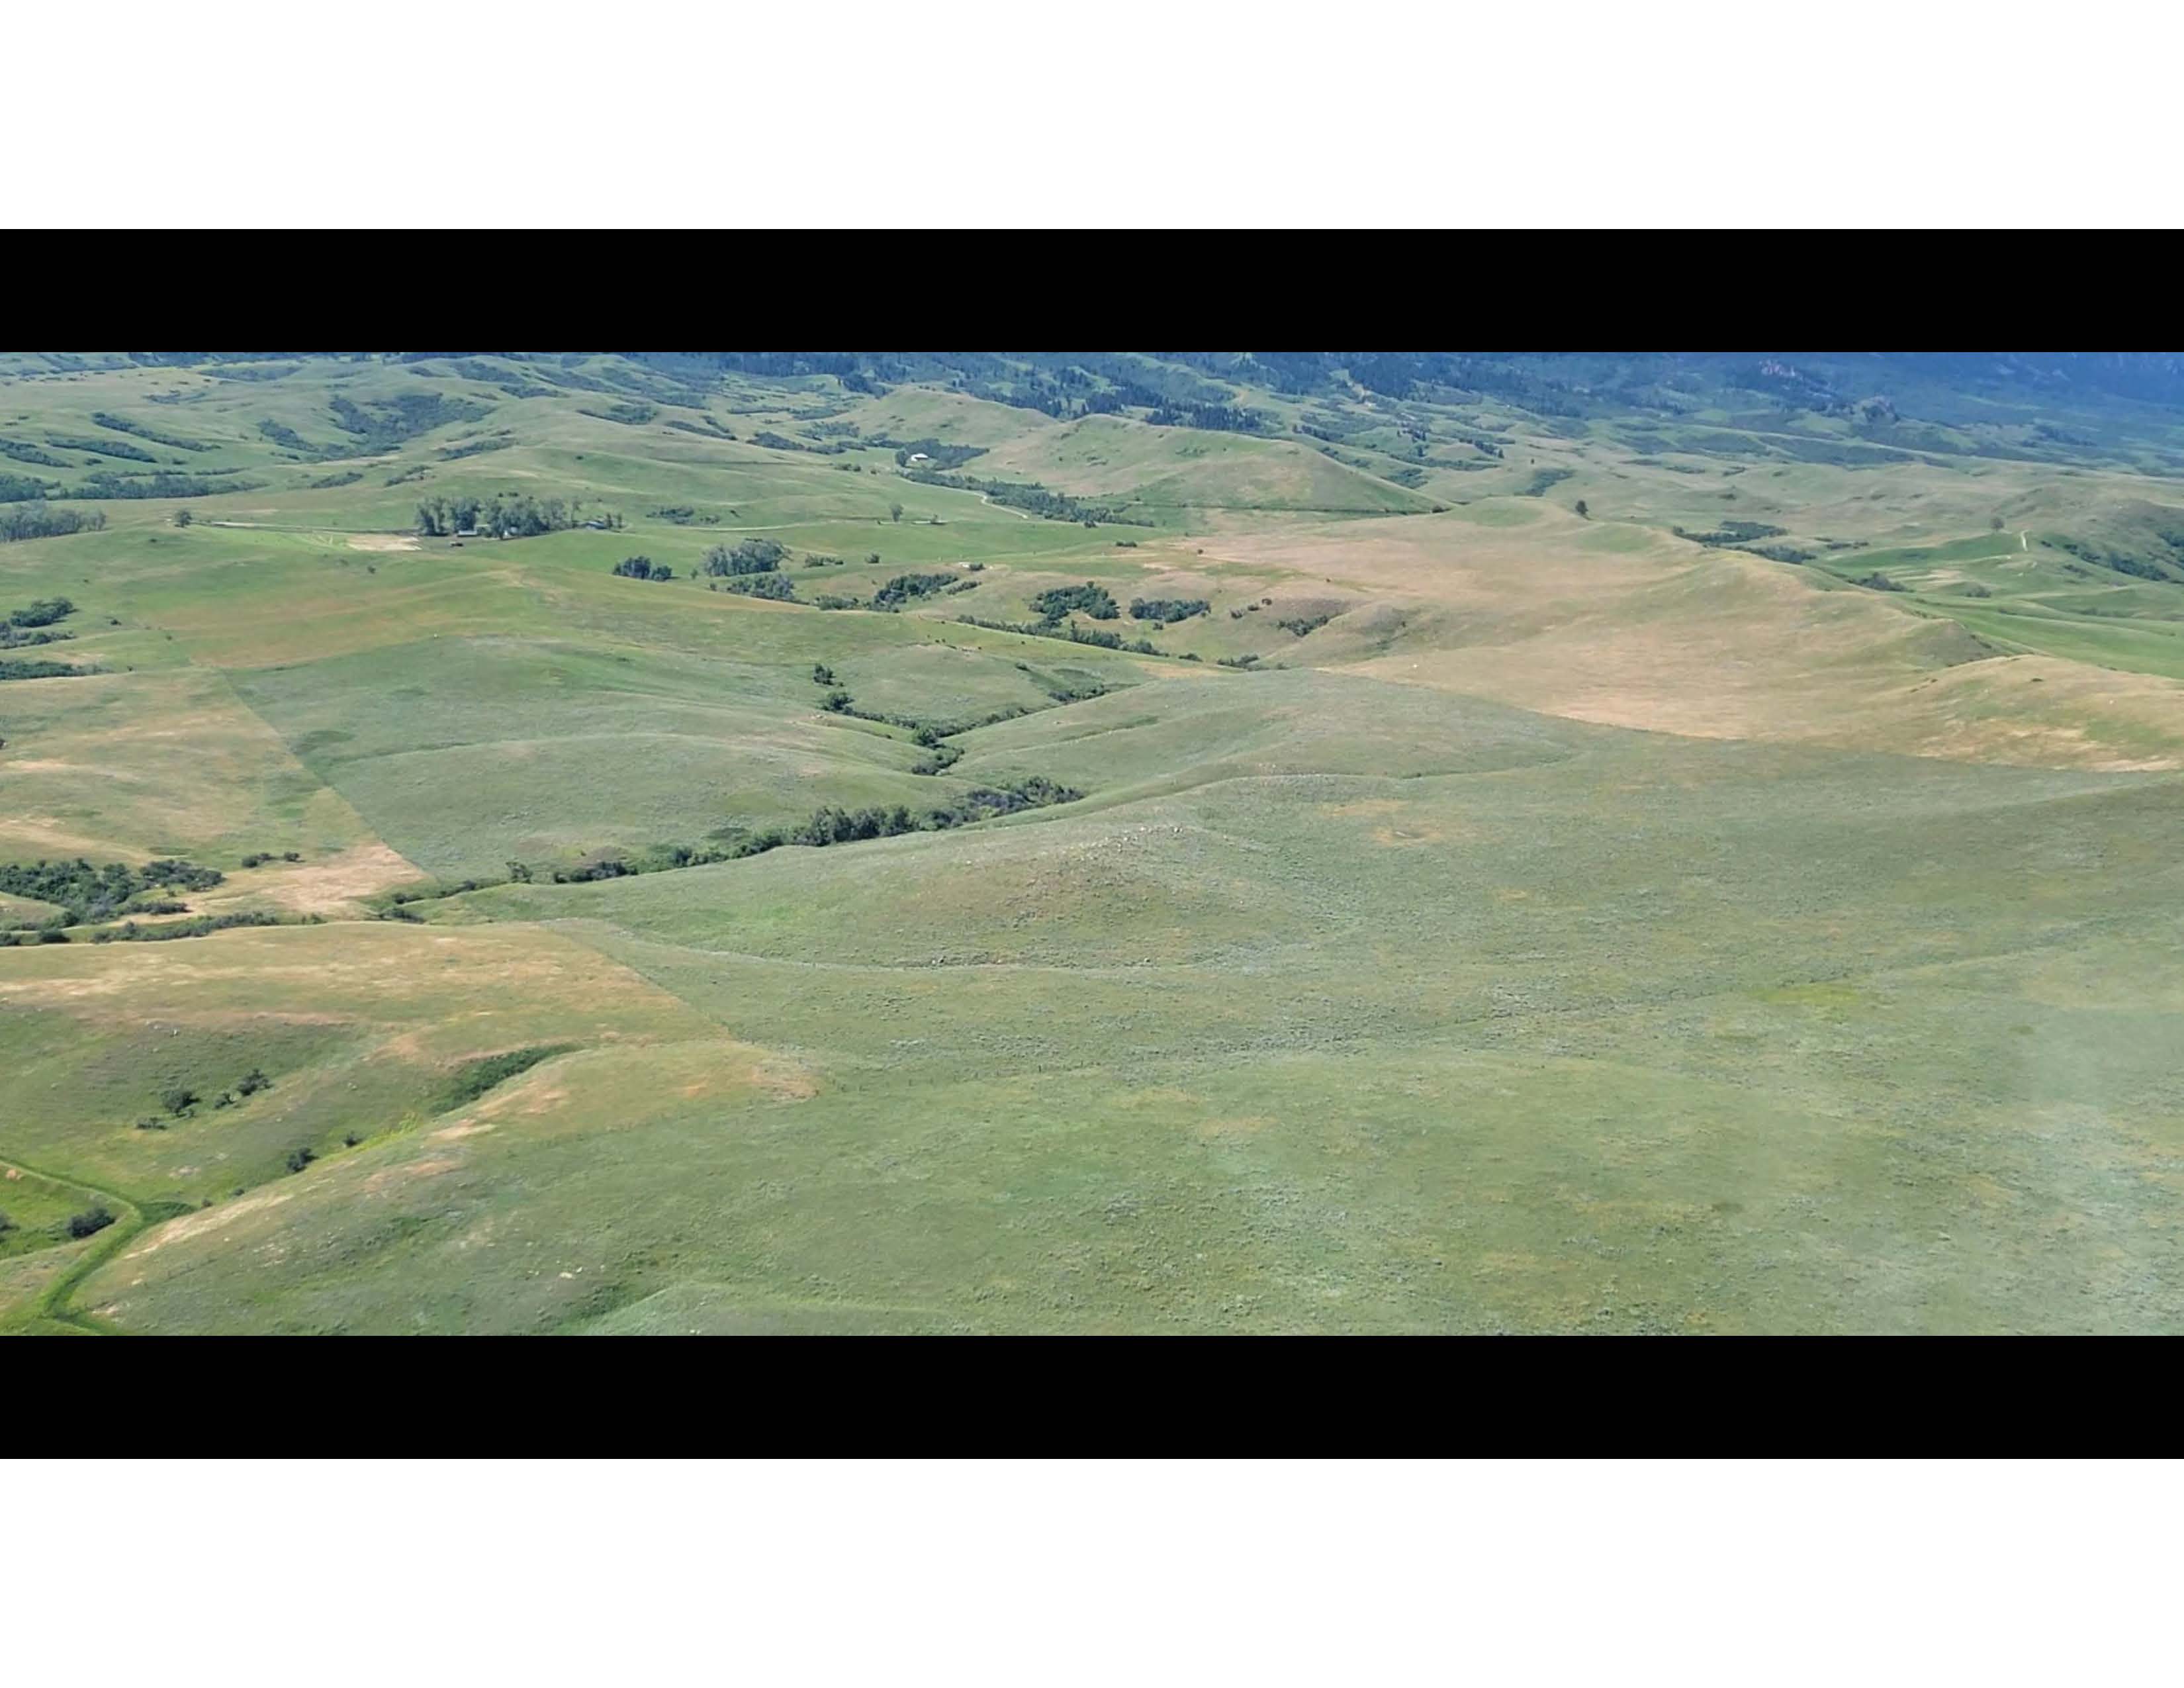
x=1560 y=924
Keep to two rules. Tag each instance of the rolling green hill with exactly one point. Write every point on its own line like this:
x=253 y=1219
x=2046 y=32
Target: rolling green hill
x=1191 y=842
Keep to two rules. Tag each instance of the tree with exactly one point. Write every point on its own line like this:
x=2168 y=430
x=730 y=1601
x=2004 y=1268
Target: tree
x=1582 y=509
x=1994 y=524
x=183 y=518
x=896 y=511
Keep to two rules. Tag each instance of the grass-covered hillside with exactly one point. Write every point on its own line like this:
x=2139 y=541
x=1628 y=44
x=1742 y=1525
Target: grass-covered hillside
x=1090 y=842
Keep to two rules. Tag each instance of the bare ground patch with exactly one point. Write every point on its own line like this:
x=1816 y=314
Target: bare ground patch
x=211 y=1219
x=336 y=885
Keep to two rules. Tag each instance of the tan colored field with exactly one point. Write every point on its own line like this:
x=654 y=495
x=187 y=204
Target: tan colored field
x=1614 y=625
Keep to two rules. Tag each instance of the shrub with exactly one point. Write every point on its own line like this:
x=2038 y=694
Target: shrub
x=253 y=1082
x=41 y=670
x=301 y=1157
x=178 y=1098
x=474 y=1079
x=89 y=1223
x=778 y=587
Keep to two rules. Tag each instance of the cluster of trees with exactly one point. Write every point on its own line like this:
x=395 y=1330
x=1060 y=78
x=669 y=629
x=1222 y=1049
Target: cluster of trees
x=643 y=568
x=906 y=587
x=281 y=434
x=106 y=483
x=827 y=826
x=181 y=1101
x=756 y=555
x=631 y=413
x=383 y=425
x=2139 y=568
x=1075 y=633
x=259 y=858
x=1302 y=625
x=11 y=640
x=1878 y=581
x=683 y=516
x=473 y=448
x=506 y=515
x=38 y=669
x=91 y=894
x=130 y=933
x=777 y=586
x=24 y=452
x=1027 y=496
x=122 y=425
x=1227 y=419
x=1168 y=611
x=832 y=825
x=939 y=454
x=1094 y=600
x=16 y=488
x=1731 y=534
x=103 y=447
x=40 y=613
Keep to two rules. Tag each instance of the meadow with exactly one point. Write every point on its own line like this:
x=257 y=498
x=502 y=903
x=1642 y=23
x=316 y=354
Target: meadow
x=1513 y=901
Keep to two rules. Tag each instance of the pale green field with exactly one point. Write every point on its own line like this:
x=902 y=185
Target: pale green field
x=1570 y=927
